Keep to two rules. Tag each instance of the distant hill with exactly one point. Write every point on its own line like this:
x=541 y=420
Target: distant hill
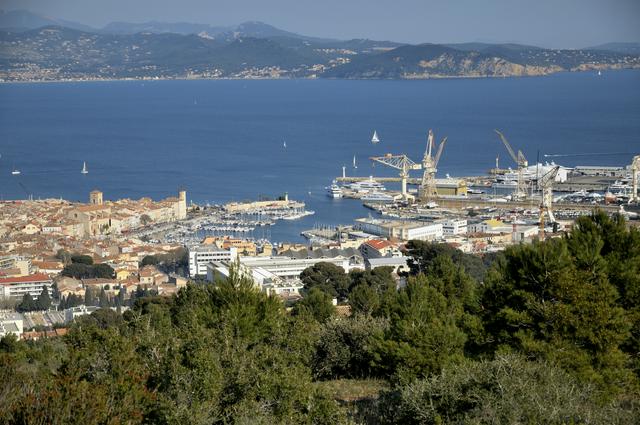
x=183 y=28
x=432 y=61
x=258 y=50
x=22 y=20
x=628 y=48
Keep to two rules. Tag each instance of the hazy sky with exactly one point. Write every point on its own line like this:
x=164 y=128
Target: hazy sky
x=548 y=23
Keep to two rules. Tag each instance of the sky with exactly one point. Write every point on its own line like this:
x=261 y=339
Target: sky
x=546 y=23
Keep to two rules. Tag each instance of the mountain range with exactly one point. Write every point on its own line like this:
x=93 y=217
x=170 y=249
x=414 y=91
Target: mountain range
x=34 y=47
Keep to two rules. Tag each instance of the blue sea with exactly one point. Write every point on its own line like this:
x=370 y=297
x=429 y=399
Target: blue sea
x=224 y=140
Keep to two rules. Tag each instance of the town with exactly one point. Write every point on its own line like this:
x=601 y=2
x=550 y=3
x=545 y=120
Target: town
x=60 y=260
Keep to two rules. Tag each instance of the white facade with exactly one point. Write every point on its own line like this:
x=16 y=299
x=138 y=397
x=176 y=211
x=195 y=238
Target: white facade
x=404 y=230
x=454 y=227
x=17 y=287
x=274 y=275
x=200 y=256
x=427 y=232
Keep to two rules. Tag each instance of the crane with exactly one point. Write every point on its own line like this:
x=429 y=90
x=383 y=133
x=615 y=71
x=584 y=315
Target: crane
x=520 y=160
x=428 y=189
x=546 y=198
x=399 y=162
x=635 y=169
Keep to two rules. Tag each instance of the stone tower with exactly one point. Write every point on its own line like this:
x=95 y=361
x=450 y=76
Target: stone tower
x=182 y=206
x=95 y=197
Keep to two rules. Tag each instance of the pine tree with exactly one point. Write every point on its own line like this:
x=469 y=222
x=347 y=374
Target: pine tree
x=44 y=300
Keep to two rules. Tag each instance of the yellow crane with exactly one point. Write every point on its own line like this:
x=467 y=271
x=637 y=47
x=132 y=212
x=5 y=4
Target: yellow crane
x=428 y=190
x=521 y=162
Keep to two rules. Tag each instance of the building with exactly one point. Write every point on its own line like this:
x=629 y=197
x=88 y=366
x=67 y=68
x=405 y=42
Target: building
x=95 y=197
x=14 y=265
x=454 y=227
x=11 y=323
x=200 y=256
x=150 y=275
x=274 y=275
x=378 y=248
x=16 y=287
x=451 y=187
x=399 y=264
x=403 y=230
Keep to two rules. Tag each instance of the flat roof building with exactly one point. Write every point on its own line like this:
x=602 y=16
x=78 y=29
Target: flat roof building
x=17 y=287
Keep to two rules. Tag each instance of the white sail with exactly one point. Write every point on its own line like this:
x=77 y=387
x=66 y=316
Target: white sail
x=284 y=144
x=375 y=138
x=354 y=162
x=84 y=168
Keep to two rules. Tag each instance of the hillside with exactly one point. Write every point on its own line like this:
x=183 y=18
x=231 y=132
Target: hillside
x=258 y=50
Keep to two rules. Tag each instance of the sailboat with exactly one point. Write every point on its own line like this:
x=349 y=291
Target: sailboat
x=354 y=162
x=284 y=144
x=15 y=171
x=84 y=168
x=599 y=73
x=375 y=138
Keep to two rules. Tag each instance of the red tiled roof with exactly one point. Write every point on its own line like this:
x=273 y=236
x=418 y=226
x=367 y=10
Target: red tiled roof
x=379 y=243
x=38 y=277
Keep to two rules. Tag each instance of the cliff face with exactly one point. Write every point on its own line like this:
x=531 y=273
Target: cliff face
x=434 y=61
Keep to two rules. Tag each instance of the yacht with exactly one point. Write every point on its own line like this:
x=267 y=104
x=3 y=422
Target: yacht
x=367 y=186
x=354 y=162
x=375 y=139
x=377 y=197
x=334 y=190
x=84 y=168
x=15 y=171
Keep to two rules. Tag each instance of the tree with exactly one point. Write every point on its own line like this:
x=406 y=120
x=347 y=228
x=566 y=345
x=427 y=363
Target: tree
x=103 y=299
x=509 y=390
x=317 y=304
x=149 y=260
x=145 y=219
x=82 y=259
x=553 y=302
x=424 y=333
x=344 y=347
x=43 y=301
x=90 y=296
x=27 y=304
x=424 y=253
x=327 y=277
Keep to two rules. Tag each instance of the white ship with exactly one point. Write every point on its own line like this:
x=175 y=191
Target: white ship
x=375 y=139
x=367 y=186
x=84 y=168
x=299 y=215
x=377 y=197
x=334 y=190
x=15 y=171
x=354 y=162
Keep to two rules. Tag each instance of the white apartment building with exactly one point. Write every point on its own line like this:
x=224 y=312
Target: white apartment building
x=16 y=287
x=200 y=256
x=454 y=227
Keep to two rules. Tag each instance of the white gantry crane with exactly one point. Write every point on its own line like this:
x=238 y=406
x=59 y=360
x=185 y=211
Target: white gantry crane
x=399 y=162
x=635 y=169
x=428 y=189
x=546 y=197
x=522 y=163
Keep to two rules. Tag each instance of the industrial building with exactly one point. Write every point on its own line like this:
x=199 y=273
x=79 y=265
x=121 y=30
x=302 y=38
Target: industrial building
x=403 y=230
x=274 y=275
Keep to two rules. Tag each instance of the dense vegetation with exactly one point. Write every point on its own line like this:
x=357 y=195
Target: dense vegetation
x=549 y=335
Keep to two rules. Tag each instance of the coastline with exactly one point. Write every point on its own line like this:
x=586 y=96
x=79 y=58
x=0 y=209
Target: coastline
x=407 y=78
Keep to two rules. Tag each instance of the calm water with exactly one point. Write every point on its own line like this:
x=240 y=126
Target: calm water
x=223 y=140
